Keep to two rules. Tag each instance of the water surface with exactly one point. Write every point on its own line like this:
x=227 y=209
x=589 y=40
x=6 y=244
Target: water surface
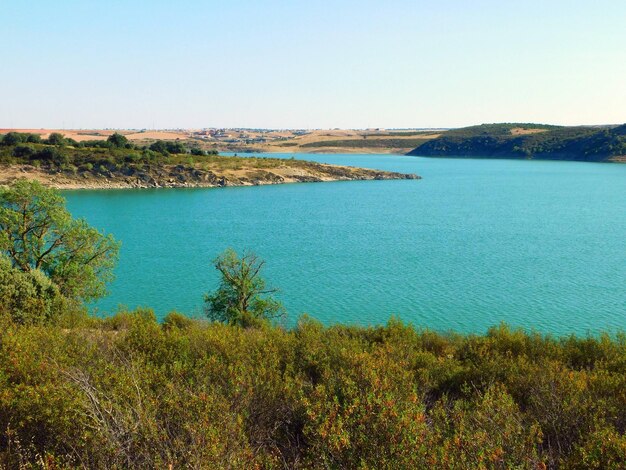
x=540 y=245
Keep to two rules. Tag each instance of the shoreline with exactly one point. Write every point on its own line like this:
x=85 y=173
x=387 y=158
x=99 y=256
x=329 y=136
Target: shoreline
x=181 y=176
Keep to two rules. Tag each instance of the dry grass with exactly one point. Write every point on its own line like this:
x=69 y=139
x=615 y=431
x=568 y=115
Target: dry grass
x=157 y=135
x=523 y=131
x=81 y=135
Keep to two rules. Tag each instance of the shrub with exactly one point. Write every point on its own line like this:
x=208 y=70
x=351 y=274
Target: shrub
x=28 y=297
x=604 y=448
x=177 y=320
x=23 y=151
x=128 y=392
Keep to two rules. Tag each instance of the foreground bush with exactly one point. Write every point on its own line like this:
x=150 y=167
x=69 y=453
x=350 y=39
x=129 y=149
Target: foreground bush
x=128 y=392
x=27 y=297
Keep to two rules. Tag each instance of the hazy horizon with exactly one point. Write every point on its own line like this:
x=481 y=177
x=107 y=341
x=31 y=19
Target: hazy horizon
x=176 y=128
x=278 y=65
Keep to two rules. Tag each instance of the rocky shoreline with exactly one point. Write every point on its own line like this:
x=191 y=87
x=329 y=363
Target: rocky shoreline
x=187 y=176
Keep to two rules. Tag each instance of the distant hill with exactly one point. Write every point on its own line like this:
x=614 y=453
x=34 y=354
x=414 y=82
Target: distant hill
x=529 y=141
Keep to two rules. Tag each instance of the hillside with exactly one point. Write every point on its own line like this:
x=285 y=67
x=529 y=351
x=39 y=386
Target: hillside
x=529 y=141
x=68 y=164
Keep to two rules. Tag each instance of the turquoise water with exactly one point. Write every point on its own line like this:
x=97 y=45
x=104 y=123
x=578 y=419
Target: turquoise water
x=540 y=245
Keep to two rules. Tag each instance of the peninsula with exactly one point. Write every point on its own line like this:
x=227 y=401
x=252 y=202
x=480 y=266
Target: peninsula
x=116 y=162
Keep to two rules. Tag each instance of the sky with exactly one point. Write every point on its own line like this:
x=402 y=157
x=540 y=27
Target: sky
x=310 y=64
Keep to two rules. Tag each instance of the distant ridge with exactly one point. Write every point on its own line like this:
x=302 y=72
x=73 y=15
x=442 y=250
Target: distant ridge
x=529 y=141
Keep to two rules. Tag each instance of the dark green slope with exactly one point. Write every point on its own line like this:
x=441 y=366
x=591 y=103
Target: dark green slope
x=529 y=141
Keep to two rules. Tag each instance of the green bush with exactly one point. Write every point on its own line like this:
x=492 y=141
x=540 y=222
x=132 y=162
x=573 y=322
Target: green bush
x=23 y=151
x=177 y=320
x=27 y=297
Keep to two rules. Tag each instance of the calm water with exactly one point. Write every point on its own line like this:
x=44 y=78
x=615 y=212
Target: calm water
x=536 y=244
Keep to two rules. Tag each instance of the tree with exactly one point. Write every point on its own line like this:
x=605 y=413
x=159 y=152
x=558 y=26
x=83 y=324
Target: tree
x=12 y=138
x=38 y=233
x=242 y=297
x=23 y=151
x=56 y=138
x=159 y=146
x=33 y=139
x=175 y=147
x=118 y=140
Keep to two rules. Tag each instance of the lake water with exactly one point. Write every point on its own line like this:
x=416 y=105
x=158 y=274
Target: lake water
x=540 y=245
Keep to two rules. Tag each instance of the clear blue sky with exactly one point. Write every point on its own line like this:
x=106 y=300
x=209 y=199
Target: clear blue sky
x=310 y=64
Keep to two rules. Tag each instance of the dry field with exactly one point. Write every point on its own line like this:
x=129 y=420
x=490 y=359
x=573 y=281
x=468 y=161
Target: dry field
x=80 y=135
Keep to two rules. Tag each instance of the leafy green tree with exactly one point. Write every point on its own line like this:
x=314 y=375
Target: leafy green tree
x=198 y=151
x=12 y=138
x=159 y=146
x=38 y=233
x=175 y=147
x=33 y=139
x=118 y=140
x=242 y=297
x=56 y=139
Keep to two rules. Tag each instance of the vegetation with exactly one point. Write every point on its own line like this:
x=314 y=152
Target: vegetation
x=60 y=153
x=28 y=297
x=242 y=297
x=102 y=157
x=37 y=233
x=114 y=141
x=114 y=164
x=130 y=392
x=529 y=141
x=161 y=164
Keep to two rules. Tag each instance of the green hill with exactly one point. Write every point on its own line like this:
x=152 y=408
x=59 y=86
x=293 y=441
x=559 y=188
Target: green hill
x=529 y=141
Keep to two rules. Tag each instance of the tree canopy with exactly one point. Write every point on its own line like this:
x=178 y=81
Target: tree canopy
x=15 y=138
x=242 y=297
x=56 y=138
x=118 y=140
x=38 y=233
